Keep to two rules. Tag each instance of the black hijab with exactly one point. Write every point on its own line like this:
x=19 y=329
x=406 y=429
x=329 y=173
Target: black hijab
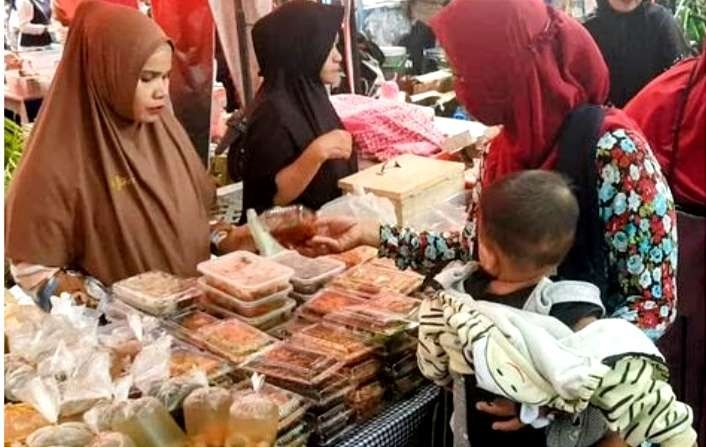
x=292 y=107
x=637 y=45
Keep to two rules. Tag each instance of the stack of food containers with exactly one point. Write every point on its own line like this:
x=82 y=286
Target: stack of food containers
x=356 y=256
x=310 y=274
x=255 y=289
x=315 y=376
x=293 y=428
x=157 y=293
x=325 y=302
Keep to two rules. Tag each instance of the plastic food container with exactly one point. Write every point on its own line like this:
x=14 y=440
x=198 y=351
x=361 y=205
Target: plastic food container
x=310 y=274
x=402 y=367
x=372 y=279
x=373 y=321
x=185 y=358
x=396 y=303
x=356 y=256
x=301 y=297
x=194 y=319
x=327 y=301
x=363 y=372
x=288 y=402
x=272 y=319
x=292 y=226
x=233 y=339
x=335 y=341
x=157 y=293
x=248 y=309
x=296 y=436
x=367 y=400
x=286 y=363
x=246 y=276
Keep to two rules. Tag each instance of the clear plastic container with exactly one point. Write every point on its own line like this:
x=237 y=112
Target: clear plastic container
x=363 y=372
x=301 y=297
x=367 y=400
x=185 y=358
x=249 y=309
x=310 y=274
x=335 y=438
x=288 y=403
x=245 y=275
x=373 y=321
x=396 y=303
x=157 y=293
x=297 y=435
x=272 y=319
x=356 y=256
x=148 y=424
x=327 y=301
x=288 y=363
x=206 y=413
x=402 y=367
x=233 y=339
x=253 y=422
x=194 y=319
x=337 y=342
x=372 y=279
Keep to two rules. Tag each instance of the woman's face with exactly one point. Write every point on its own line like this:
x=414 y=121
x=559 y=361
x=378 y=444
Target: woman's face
x=152 y=93
x=331 y=71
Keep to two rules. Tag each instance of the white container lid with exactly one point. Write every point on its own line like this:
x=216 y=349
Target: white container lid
x=246 y=272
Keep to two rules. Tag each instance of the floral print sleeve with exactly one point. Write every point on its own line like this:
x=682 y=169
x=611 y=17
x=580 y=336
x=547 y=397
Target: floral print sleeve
x=637 y=208
x=426 y=252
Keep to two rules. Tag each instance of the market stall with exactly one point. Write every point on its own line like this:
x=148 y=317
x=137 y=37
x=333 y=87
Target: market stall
x=333 y=338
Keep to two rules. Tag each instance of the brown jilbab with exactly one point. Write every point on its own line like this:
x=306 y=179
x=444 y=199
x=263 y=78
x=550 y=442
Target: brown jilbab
x=95 y=190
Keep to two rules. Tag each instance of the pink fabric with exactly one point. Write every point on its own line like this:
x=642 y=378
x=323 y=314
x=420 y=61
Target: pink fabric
x=384 y=129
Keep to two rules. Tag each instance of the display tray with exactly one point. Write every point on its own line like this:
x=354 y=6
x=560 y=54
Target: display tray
x=248 y=309
x=157 y=293
x=372 y=279
x=310 y=274
x=327 y=301
x=245 y=275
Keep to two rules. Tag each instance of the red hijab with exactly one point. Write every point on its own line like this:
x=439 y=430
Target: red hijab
x=524 y=65
x=672 y=112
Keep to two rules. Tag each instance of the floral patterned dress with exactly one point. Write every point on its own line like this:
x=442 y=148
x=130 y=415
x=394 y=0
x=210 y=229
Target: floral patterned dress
x=637 y=209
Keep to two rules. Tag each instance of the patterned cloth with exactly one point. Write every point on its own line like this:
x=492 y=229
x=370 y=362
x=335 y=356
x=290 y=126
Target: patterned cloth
x=637 y=209
x=399 y=425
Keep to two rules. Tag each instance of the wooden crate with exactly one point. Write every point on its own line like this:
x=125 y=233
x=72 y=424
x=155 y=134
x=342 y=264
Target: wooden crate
x=411 y=182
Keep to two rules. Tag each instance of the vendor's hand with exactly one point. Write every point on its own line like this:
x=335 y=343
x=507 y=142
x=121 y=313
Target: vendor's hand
x=337 y=144
x=503 y=408
x=335 y=234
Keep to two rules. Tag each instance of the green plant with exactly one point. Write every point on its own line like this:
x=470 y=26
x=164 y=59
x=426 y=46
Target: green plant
x=691 y=15
x=13 y=148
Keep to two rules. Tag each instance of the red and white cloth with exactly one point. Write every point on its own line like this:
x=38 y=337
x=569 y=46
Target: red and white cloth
x=384 y=129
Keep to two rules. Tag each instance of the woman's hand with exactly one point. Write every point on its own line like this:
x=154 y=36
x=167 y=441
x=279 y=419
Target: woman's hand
x=503 y=408
x=335 y=234
x=337 y=144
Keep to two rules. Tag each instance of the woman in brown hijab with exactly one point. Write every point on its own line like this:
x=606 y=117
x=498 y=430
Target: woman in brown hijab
x=110 y=185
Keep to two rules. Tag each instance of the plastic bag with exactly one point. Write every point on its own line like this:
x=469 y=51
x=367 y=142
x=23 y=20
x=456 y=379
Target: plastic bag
x=17 y=373
x=361 y=206
x=450 y=215
x=151 y=366
x=206 y=413
x=100 y=418
x=89 y=383
x=172 y=392
x=70 y=434
x=112 y=439
x=44 y=395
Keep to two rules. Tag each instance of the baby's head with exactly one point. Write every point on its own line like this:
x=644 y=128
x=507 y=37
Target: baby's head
x=526 y=225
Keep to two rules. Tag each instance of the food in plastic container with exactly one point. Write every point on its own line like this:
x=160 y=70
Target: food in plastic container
x=337 y=342
x=157 y=293
x=366 y=319
x=287 y=402
x=69 y=434
x=310 y=274
x=246 y=276
x=296 y=436
x=194 y=319
x=356 y=256
x=148 y=424
x=21 y=420
x=396 y=303
x=301 y=297
x=327 y=301
x=363 y=372
x=369 y=278
x=334 y=438
x=253 y=421
x=330 y=429
x=272 y=319
x=233 y=339
x=407 y=384
x=402 y=367
x=206 y=413
x=249 y=309
x=185 y=359
x=367 y=400
x=292 y=226
x=288 y=363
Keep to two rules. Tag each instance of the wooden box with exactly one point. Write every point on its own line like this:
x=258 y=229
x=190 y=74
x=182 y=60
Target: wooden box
x=411 y=182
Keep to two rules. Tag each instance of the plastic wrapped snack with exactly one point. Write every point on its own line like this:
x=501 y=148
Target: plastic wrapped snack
x=310 y=274
x=157 y=293
x=21 y=420
x=172 y=392
x=370 y=278
x=206 y=412
x=18 y=372
x=356 y=256
x=335 y=341
x=288 y=403
x=327 y=301
x=254 y=418
x=233 y=339
x=69 y=434
x=249 y=309
x=246 y=276
x=148 y=424
x=112 y=439
x=100 y=417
